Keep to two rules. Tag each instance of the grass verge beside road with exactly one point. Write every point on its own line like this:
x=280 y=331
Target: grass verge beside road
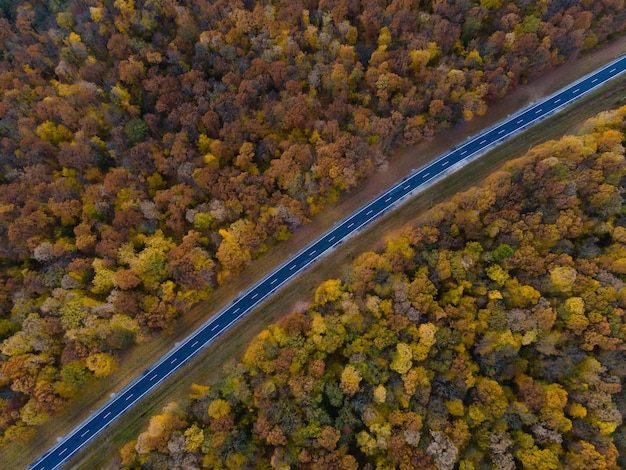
x=207 y=366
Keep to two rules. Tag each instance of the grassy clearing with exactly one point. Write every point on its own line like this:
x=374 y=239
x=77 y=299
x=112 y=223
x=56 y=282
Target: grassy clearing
x=208 y=366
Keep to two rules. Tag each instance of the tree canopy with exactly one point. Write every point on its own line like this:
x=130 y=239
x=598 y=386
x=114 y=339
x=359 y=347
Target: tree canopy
x=149 y=150
x=492 y=341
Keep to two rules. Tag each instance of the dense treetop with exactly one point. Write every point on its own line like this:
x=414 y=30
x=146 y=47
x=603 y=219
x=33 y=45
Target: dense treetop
x=150 y=149
x=489 y=335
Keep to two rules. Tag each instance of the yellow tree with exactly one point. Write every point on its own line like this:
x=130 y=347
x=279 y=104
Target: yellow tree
x=101 y=364
x=402 y=358
x=350 y=380
x=218 y=408
x=328 y=291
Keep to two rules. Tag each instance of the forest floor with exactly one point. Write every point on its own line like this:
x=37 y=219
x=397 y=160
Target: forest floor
x=207 y=367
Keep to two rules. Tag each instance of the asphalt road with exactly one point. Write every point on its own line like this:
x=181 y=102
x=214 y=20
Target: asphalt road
x=245 y=302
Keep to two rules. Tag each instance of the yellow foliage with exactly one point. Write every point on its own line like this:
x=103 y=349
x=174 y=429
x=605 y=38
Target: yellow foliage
x=400 y=245
x=350 y=380
x=73 y=38
x=538 y=459
x=219 y=408
x=210 y=159
x=318 y=324
x=497 y=274
x=476 y=415
x=619 y=234
x=521 y=295
x=96 y=14
x=427 y=340
x=380 y=394
x=494 y=295
x=577 y=323
x=101 y=364
x=606 y=427
x=556 y=396
x=194 y=437
x=455 y=407
x=529 y=337
x=120 y=95
x=384 y=36
x=419 y=59
x=366 y=443
x=563 y=277
x=328 y=291
x=235 y=460
x=416 y=377
x=575 y=306
x=198 y=391
x=473 y=58
x=402 y=358
x=53 y=133
x=506 y=338
x=427 y=333
x=576 y=410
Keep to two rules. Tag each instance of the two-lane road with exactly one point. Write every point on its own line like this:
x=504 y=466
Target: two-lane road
x=417 y=180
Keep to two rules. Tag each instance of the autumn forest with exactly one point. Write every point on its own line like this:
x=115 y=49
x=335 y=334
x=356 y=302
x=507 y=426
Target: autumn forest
x=150 y=150
x=490 y=335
